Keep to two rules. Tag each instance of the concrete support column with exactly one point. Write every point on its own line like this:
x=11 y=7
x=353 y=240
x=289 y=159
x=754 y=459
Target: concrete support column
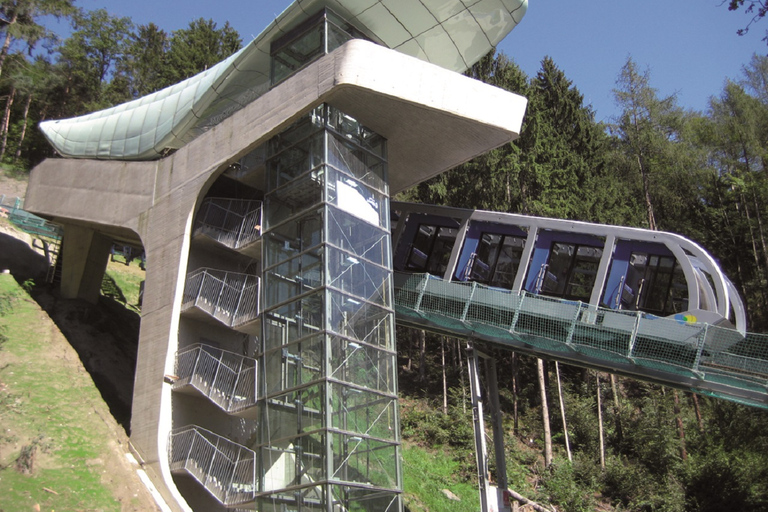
x=85 y=253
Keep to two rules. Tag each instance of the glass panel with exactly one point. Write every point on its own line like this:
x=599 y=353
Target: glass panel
x=292 y=278
x=297 y=54
x=441 y=251
x=360 y=239
x=421 y=247
x=358 y=277
x=357 y=199
x=557 y=270
x=485 y=257
x=655 y=284
x=298 y=462
x=508 y=262
x=293 y=365
x=355 y=499
x=290 y=163
x=294 y=320
x=364 y=412
x=292 y=414
x=353 y=318
x=293 y=237
x=350 y=129
x=363 y=365
x=363 y=460
x=300 y=130
x=301 y=194
x=357 y=163
x=582 y=278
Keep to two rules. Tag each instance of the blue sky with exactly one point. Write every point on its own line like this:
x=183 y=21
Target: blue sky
x=689 y=47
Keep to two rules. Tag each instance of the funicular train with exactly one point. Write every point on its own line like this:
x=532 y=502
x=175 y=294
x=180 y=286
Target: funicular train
x=656 y=273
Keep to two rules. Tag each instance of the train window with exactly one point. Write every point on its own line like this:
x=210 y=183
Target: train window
x=431 y=249
x=654 y=284
x=497 y=259
x=571 y=270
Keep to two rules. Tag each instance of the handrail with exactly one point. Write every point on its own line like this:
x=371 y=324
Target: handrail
x=230 y=297
x=226 y=469
x=231 y=222
x=226 y=378
x=700 y=357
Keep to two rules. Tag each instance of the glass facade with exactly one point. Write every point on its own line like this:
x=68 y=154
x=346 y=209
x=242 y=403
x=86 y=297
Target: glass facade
x=330 y=435
x=318 y=35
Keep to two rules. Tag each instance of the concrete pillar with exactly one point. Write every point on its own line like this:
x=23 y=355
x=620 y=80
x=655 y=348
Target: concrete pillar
x=85 y=253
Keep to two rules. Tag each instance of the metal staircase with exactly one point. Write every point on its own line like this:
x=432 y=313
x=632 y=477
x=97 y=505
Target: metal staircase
x=234 y=223
x=231 y=298
x=226 y=469
x=226 y=378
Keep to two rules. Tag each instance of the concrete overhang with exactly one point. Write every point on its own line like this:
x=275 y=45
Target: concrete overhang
x=434 y=119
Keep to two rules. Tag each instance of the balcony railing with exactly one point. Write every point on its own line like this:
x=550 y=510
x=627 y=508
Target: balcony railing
x=231 y=298
x=226 y=378
x=226 y=469
x=234 y=223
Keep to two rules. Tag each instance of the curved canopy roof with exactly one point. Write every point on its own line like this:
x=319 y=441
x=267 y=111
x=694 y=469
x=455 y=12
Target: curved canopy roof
x=453 y=34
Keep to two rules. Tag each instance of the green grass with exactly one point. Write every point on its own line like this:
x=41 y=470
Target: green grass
x=48 y=405
x=122 y=282
x=426 y=474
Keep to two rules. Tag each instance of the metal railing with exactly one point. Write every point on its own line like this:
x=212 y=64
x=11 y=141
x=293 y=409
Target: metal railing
x=226 y=378
x=231 y=222
x=226 y=469
x=700 y=357
x=230 y=297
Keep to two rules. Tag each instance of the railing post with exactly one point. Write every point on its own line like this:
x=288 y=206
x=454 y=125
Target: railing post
x=633 y=338
x=516 y=317
x=421 y=292
x=572 y=327
x=234 y=386
x=700 y=349
x=469 y=301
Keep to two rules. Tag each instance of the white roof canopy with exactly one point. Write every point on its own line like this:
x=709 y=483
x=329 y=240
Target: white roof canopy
x=453 y=34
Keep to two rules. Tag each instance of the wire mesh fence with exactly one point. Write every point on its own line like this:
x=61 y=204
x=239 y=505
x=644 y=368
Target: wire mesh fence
x=720 y=360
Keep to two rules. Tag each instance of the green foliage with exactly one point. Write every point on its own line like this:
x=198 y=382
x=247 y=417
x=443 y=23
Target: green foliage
x=564 y=488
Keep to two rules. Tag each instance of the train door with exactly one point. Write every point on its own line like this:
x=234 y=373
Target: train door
x=570 y=271
x=496 y=260
x=431 y=249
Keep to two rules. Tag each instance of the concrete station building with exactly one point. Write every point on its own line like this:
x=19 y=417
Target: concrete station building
x=259 y=190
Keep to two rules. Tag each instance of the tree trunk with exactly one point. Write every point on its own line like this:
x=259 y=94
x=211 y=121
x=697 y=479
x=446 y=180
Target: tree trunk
x=680 y=427
x=6 y=122
x=445 y=381
x=616 y=409
x=562 y=412
x=698 y=412
x=463 y=383
x=7 y=42
x=23 y=128
x=600 y=422
x=422 y=355
x=545 y=415
x=515 y=392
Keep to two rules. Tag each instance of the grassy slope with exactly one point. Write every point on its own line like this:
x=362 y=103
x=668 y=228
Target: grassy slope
x=50 y=407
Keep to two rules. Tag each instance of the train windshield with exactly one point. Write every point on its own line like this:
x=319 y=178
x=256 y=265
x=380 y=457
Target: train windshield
x=570 y=272
x=654 y=284
x=497 y=259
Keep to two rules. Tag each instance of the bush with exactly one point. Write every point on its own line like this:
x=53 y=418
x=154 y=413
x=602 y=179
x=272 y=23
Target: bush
x=563 y=487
